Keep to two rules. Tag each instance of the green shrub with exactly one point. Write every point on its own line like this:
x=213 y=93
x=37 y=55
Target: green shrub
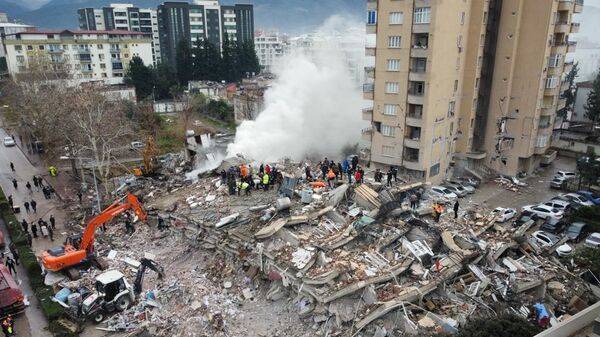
x=589 y=215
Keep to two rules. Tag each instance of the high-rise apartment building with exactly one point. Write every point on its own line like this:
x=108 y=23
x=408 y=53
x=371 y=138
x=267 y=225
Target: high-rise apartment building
x=472 y=83
x=202 y=20
x=123 y=17
x=8 y=28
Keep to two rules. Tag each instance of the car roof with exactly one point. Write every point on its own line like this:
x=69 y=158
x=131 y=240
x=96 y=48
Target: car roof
x=109 y=276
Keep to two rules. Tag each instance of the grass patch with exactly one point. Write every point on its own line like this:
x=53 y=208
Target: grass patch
x=44 y=293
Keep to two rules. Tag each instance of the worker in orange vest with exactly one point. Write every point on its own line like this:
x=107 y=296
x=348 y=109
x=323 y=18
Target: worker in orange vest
x=244 y=171
x=330 y=178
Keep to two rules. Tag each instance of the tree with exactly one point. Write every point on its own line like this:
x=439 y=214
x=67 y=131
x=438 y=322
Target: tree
x=588 y=168
x=569 y=94
x=503 y=326
x=184 y=63
x=213 y=61
x=592 y=106
x=3 y=65
x=588 y=258
x=200 y=61
x=164 y=79
x=140 y=77
x=249 y=59
x=230 y=61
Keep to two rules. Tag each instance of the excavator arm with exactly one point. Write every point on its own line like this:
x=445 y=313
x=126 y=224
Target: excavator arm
x=139 y=278
x=128 y=202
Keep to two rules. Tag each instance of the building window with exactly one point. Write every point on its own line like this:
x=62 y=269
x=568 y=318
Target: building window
x=371 y=17
x=477 y=83
x=451 y=107
x=422 y=15
x=29 y=47
x=455 y=85
x=396 y=18
x=391 y=87
x=100 y=46
x=388 y=130
x=18 y=48
x=387 y=151
x=393 y=65
x=554 y=60
x=542 y=141
x=20 y=58
x=551 y=82
x=462 y=18
x=390 y=109
x=394 y=41
x=434 y=170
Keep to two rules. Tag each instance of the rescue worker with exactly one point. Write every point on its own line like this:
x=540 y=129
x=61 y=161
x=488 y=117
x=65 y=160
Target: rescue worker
x=28 y=185
x=456 y=206
x=33 y=205
x=244 y=186
x=440 y=210
x=129 y=229
x=358 y=176
x=309 y=176
x=52 y=222
x=389 y=178
x=265 y=181
x=413 y=201
x=12 y=166
x=26 y=204
x=15 y=184
x=25 y=226
x=14 y=251
x=10 y=264
x=8 y=326
x=378 y=176
x=10 y=201
x=330 y=177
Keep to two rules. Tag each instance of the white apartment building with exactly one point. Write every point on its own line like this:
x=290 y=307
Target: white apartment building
x=269 y=47
x=89 y=55
x=7 y=27
x=123 y=17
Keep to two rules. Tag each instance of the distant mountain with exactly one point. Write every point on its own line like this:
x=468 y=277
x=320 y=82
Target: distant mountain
x=289 y=16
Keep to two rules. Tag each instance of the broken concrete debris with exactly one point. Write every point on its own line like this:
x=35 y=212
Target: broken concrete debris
x=350 y=260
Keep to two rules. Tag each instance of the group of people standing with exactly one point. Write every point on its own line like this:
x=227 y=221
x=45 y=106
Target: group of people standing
x=392 y=175
x=243 y=178
x=44 y=228
x=332 y=171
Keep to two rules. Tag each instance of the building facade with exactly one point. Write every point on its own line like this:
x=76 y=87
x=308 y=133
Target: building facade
x=123 y=17
x=269 y=48
x=202 y=20
x=472 y=83
x=87 y=55
x=8 y=28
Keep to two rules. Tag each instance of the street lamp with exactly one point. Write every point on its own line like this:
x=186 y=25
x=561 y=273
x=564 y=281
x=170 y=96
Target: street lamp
x=93 y=163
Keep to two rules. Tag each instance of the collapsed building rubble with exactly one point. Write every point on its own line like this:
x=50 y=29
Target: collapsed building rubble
x=352 y=260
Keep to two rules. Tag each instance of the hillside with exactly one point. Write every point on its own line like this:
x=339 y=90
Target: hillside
x=290 y=16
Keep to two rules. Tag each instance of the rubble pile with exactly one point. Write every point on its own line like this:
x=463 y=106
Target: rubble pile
x=352 y=260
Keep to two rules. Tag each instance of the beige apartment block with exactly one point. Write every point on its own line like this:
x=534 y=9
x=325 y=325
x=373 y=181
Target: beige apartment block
x=465 y=83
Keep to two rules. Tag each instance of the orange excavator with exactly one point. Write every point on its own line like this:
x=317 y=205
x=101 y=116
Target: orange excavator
x=80 y=248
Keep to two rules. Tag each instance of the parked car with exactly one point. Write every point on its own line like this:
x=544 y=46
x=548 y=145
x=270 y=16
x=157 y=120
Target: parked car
x=577 y=199
x=136 y=145
x=470 y=189
x=557 y=182
x=504 y=214
x=544 y=212
x=442 y=192
x=469 y=181
x=458 y=190
x=576 y=231
x=590 y=197
x=565 y=175
x=8 y=142
x=593 y=240
x=561 y=205
x=524 y=217
x=554 y=226
x=545 y=239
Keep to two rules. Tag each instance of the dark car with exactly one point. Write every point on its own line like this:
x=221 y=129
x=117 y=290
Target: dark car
x=553 y=226
x=524 y=217
x=576 y=231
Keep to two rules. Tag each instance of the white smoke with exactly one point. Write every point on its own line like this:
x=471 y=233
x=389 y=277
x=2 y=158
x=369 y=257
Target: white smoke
x=313 y=106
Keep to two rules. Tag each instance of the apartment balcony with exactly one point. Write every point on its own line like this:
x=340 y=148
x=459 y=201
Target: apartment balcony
x=117 y=66
x=414 y=120
x=543 y=126
x=578 y=6
x=417 y=74
x=86 y=70
x=413 y=143
x=564 y=86
x=370 y=51
x=369 y=72
x=559 y=48
x=575 y=27
x=477 y=155
x=55 y=50
x=571 y=46
x=368 y=89
x=558 y=70
x=562 y=27
x=419 y=51
x=415 y=98
x=367 y=114
x=115 y=50
x=371 y=28
x=419 y=28
x=540 y=150
x=565 y=5
x=568 y=67
x=412 y=163
x=551 y=91
x=548 y=111
x=85 y=58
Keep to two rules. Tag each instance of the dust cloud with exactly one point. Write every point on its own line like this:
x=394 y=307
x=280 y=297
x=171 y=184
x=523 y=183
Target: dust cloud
x=313 y=106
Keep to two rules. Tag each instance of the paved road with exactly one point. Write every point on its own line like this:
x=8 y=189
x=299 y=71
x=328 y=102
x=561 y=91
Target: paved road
x=537 y=191
x=33 y=323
